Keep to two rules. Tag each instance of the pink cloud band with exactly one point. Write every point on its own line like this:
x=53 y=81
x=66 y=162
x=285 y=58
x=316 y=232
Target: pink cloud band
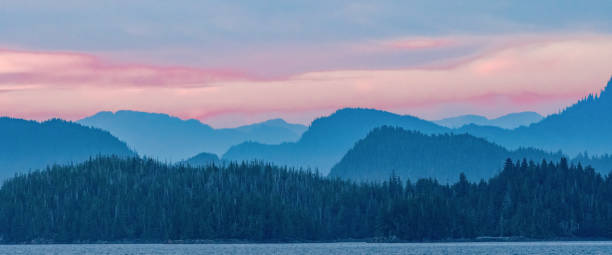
x=73 y=69
x=419 y=43
x=537 y=73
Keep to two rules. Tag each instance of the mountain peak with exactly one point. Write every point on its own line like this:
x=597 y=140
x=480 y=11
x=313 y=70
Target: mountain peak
x=171 y=138
x=202 y=159
x=508 y=121
x=102 y=114
x=32 y=145
x=414 y=155
x=356 y=110
x=274 y=123
x=277 y=121
x=138 y=116
x=358 y=114
x=607 y=89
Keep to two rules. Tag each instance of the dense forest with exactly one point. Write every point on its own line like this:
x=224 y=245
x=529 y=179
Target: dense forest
x=414 y=155
x=112 y=198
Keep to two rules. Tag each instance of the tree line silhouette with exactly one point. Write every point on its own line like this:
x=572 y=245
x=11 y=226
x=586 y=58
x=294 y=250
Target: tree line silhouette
x=114 y=198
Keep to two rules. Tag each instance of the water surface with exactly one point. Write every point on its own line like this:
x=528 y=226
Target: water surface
x=318 y=248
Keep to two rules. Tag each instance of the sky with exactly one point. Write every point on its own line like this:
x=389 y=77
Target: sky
x=229 y=63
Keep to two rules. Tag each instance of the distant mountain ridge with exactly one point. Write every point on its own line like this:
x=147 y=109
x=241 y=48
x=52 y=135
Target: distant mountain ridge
x=297 y=129
x=172 y=139
x=582 y=127
x=509 y=121
x=202 y=160
x=413 y=155
x=29 y=145
x=328 y=138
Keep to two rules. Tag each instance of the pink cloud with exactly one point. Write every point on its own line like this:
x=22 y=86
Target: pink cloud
x=75 y=69
x=538 y=73
x=419 y=43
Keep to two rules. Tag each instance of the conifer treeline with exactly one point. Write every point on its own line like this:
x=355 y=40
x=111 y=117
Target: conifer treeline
x=111 y=198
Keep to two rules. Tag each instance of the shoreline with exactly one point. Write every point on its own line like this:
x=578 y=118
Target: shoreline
x=369 y=240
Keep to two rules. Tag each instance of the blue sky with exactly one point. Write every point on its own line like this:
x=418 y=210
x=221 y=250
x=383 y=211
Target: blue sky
x=138 y=24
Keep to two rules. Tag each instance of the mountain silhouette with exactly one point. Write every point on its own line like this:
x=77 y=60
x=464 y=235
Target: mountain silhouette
x=201 y=160
x=172 y=139
x=413 y=155
x=28 y=145
x=273 y=131
x=328 y=138
x=509 y=121
x=584 y=126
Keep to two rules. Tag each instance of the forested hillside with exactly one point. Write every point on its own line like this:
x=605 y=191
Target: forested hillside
x=26 y=145
x=414 y=155
x=110 y=198
x=601 y=163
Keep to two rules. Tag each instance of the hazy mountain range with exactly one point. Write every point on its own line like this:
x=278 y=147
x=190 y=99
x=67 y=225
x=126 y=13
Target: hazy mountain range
x=329 y=138
x=172 y=139
x=582 y=127
x=29 y=145
x=509 y=121
x=413 y=155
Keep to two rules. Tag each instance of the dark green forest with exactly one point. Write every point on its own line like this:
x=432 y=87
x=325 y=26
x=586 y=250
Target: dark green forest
x=113 y=198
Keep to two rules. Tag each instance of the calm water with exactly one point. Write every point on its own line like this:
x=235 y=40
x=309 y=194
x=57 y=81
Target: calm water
x=322 y=248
